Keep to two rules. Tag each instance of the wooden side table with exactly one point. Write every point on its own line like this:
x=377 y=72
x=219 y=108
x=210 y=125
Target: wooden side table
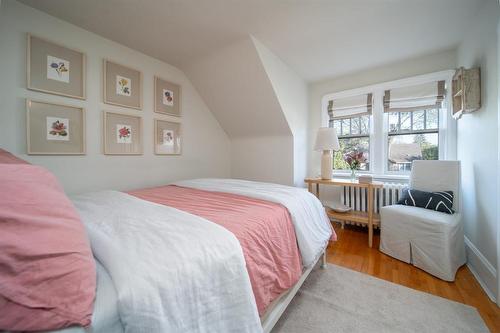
x=368 y=218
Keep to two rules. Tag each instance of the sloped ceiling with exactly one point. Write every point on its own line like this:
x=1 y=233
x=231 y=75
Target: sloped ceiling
x=209 y=40
x=235 y=86
x=317 y=38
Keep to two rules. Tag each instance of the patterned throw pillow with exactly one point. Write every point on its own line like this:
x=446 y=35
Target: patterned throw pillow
x=438 y=201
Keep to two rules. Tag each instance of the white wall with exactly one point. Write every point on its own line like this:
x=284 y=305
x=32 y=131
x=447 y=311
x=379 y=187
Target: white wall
x=236 y=87
x=477 y=147
x=262 y=159
x=292 y=94
x=498 y=169
x=205 y=147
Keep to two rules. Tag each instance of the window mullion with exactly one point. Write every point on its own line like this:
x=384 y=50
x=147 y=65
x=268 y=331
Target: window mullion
x=377 y=134
x=399 y=121
x=425 y=119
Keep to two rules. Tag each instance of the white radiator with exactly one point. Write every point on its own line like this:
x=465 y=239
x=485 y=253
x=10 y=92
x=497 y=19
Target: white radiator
x=356 y=198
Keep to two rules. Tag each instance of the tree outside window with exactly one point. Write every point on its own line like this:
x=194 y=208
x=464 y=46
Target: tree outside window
x=354 y=135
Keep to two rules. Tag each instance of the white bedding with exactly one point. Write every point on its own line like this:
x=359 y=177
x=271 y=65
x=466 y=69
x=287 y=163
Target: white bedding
x=173 y=271
x=312 y=226
x=105 y=317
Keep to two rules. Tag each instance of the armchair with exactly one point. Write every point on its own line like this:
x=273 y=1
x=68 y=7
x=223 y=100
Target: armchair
x=430 y=240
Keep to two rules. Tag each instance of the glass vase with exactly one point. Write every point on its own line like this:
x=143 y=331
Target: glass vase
x=353 y=174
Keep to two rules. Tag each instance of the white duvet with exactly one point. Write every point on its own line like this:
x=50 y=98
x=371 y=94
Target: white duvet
x=173 y=271
x=312 y=226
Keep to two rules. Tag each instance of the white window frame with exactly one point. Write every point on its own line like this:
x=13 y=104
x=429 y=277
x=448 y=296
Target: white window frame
x=379 y=122
x=369 y=135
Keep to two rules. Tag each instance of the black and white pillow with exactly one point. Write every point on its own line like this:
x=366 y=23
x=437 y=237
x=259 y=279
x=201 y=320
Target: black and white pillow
x=438 y=201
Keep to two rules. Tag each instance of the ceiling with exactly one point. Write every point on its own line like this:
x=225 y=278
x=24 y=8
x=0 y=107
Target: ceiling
x=317 y=38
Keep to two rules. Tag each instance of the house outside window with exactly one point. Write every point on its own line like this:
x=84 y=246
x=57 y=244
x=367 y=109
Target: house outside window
x=412 y=136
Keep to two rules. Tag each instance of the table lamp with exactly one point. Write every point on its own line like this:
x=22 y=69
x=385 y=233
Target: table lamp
x=326 y=141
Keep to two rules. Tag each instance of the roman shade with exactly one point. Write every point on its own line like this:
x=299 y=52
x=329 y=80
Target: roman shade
x=423 y=96
x=350 y=106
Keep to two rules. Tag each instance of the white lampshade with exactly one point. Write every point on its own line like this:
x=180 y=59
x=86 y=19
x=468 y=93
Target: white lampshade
x=326 y=139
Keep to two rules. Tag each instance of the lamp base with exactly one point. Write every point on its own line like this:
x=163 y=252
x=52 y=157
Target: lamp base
x=326 y=165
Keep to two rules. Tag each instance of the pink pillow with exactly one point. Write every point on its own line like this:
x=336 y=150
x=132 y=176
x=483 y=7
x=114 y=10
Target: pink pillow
x=8 y=158
x=47 y=272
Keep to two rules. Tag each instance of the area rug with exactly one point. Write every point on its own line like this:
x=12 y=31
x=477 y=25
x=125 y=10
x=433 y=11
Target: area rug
x=337 y=299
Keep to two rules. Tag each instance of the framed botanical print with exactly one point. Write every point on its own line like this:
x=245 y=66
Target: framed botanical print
x=122 y=134
x=167 y=97
x=55 y=129
x=122 y=85
x=168 y=140
x=55 y=69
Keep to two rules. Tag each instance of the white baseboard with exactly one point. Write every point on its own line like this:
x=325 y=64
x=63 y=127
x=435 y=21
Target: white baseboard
x=482 y=269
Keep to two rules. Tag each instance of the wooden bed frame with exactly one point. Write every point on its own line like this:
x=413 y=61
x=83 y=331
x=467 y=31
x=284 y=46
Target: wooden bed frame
x=279 y=306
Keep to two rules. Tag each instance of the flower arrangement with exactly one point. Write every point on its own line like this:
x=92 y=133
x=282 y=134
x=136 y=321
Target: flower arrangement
x=60 y=67
x=124 y=86
x=168 y=96
x=354 y=159
x=58 y=129
x=124 y=132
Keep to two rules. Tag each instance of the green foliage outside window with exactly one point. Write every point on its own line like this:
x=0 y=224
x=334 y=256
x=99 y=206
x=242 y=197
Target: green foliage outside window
x=354 y=135
x=348 y=145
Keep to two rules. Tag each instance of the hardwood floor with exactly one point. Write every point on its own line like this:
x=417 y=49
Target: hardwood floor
x=352 y=251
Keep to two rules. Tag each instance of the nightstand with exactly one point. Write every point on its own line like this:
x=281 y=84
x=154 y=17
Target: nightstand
x=368 y=218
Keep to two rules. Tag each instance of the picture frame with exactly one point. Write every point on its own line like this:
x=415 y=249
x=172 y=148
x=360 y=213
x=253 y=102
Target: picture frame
x=55 y=69
x=122 y=85
x=168 y=97
x=55 y=129
x=167 y=137
x=122 y=134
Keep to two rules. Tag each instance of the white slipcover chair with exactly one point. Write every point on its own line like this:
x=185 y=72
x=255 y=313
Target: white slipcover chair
x=430 y=240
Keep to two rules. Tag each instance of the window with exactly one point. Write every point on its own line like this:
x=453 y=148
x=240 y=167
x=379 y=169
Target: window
x=393 y=124
x=350 y=116
x=412 y=136
x=354 y=134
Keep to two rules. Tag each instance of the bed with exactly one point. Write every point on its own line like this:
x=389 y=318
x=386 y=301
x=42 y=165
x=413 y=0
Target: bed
x=200 y=255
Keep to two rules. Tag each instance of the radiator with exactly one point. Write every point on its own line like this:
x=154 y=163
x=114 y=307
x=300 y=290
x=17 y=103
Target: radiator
x=356 y=198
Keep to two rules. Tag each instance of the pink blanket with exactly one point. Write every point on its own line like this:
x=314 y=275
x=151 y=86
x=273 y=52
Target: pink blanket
x=47 y=272
x=264 y=230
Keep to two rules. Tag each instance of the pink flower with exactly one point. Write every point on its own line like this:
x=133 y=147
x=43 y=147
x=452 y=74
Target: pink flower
x=354 y=159
x=124 y=132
